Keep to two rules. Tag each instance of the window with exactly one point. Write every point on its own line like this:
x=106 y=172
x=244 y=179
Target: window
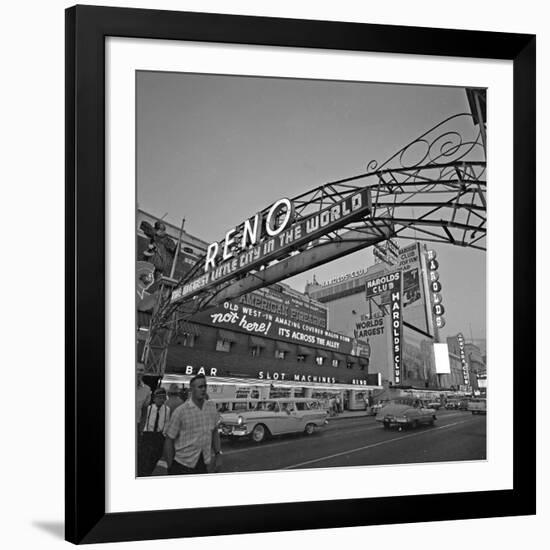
x=186 y=339
x=319 y=360
x=223 y=345
x=266 y=406
x=255 y=351
x=301 y=358
x=280 y=354
x=335 y=362
x=349 y=365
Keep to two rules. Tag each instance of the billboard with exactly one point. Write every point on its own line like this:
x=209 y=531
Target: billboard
x=240 y=317
x=345 y=277
x=411 y=286
x=369 y=327
x=409 y=263
x=442 y=363
x=382 y=285
x=289 y=305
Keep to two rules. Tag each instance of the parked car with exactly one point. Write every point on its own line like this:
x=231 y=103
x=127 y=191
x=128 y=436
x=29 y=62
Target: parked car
x=406 y=413
x=452 y=404
x=274 y=417
x=434 y=405
x=478 y=405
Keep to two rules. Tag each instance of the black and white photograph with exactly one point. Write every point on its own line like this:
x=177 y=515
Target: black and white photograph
x=288 y=264
x=310 y=274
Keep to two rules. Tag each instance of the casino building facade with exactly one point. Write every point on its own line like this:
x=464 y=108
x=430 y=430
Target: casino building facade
x=399 y=335
x=271 y=342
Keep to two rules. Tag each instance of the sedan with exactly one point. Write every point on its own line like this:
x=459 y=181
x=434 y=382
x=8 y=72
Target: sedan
x=406 y=413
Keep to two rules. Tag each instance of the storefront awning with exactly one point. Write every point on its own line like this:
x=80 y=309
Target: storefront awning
x=185 y=379
x=302 y=350
x=322 y=353
x=338 y=357
x=222 y=380
x=227 y=335
x=281 y=346
x=257 y=342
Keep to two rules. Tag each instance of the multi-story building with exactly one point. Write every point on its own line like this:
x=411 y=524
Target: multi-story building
x=471 y=359
x=360 y=306
x=273 y=341
x=454 y=380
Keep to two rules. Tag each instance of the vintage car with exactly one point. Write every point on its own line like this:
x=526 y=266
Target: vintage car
x=478 y=405
x=225 y=405
x=376 y=408
x=274 y=417
x=406 y=413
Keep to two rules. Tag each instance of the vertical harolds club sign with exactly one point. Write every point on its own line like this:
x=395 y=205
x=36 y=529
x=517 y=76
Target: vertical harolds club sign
x=389 y=287
x=270 y=236
x=397 y=328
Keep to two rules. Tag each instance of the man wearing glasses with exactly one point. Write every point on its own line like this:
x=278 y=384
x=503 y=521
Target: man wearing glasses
x=192 y=443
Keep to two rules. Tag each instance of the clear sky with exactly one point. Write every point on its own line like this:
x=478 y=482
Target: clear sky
x=216 y=149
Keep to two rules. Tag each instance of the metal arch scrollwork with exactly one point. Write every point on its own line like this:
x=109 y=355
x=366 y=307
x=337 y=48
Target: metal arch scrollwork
x=432 y=189
x=459 y=139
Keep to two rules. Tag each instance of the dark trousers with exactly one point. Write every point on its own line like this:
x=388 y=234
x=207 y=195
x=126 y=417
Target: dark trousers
x=151 y=446
x=179 y=469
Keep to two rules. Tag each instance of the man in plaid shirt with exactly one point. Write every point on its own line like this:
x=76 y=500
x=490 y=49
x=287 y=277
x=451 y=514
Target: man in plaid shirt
x=192 y=443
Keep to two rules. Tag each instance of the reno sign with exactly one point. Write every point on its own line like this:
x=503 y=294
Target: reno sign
x=271 y=236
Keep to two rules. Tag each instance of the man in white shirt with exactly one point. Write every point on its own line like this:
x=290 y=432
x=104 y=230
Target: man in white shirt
x=151 y=443
x=192 y=441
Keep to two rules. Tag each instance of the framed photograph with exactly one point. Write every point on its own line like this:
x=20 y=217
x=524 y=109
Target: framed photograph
x=293 y=274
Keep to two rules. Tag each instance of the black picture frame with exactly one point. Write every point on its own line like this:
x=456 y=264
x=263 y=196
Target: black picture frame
x=86 y=30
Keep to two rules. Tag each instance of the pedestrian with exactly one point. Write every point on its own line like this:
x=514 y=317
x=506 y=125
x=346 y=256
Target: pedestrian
x=143 y=396
x=332 y=406
x=369 y=402
x=192 y=443
x=174 y=397
x=151 y=443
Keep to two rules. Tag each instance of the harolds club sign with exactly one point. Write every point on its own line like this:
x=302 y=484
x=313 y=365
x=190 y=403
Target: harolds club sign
x=390 y=288
x=264 y=238
x=239 y=317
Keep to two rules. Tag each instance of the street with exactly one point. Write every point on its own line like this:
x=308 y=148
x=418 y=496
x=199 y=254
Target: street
x=359 y=441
